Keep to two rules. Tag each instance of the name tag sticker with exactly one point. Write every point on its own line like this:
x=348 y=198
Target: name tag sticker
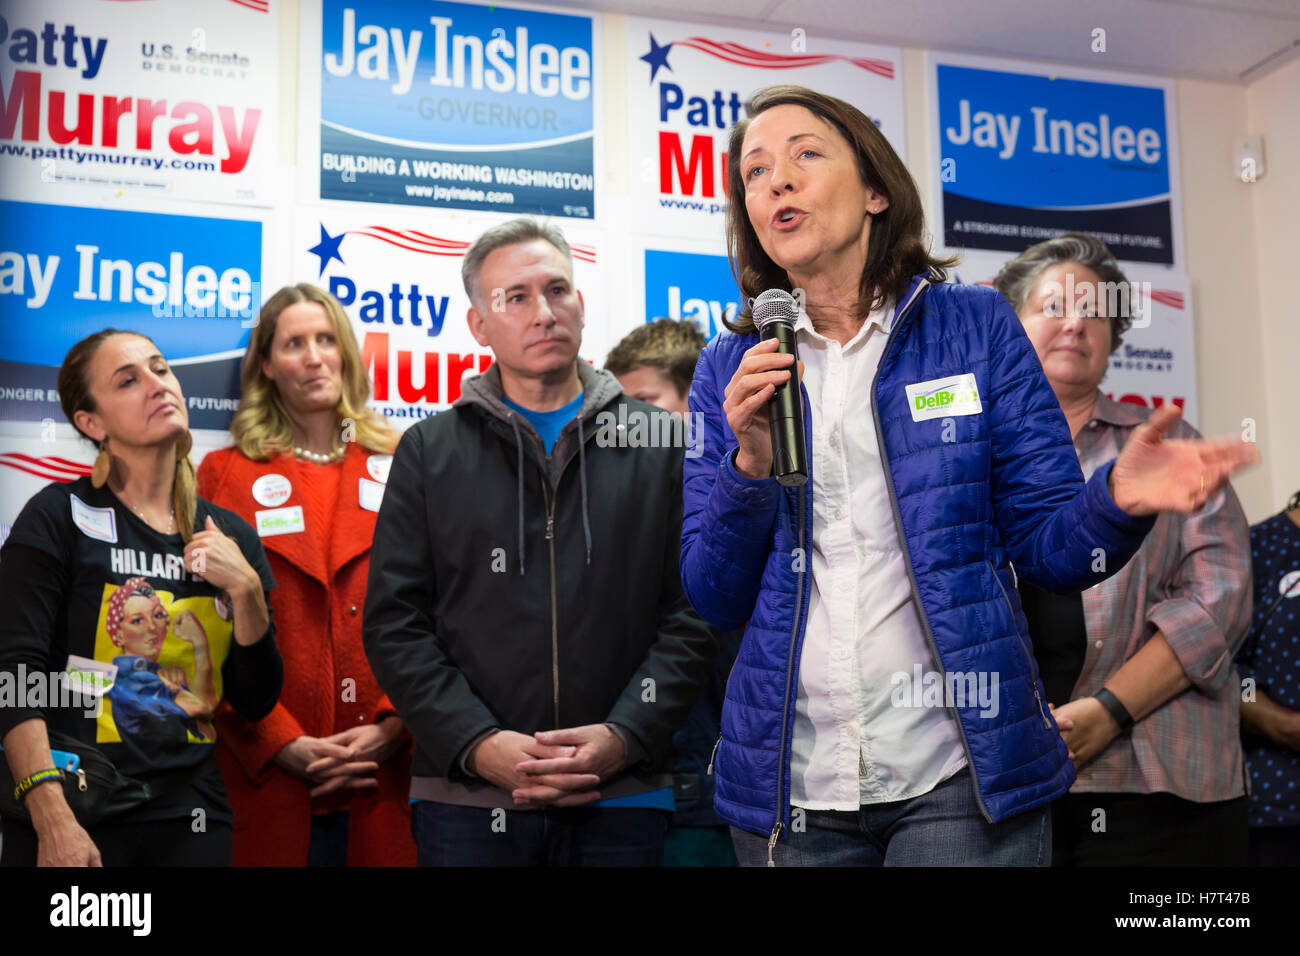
x=944 y=398
x=371 y=494
x=97 y=523
x=279 y=521
x=92 y=677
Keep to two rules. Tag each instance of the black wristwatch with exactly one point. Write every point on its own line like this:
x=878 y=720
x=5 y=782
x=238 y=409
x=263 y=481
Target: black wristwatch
x=1115 y=709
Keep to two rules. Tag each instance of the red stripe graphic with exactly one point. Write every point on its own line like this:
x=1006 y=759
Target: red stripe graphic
x=34 y=468
x=78 y=466
x=414 y=241
x=414 y=235
x=426 y=250
x=1166 y=297
x=58 y=465
x=760 y=59
x=261 y=6
x=38 y=474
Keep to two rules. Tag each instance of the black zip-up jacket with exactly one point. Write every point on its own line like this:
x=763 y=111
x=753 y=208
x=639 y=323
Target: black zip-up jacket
x=513 y=589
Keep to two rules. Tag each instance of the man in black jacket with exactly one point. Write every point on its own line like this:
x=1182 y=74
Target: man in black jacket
x=524 y=610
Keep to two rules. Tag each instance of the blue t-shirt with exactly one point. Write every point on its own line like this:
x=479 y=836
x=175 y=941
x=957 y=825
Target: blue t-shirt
x=661 y=799
x=549 y=424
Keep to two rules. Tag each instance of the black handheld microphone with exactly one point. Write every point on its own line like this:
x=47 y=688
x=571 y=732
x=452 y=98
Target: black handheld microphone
x=774 y=314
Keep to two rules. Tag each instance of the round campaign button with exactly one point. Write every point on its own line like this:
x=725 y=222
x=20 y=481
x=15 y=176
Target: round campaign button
x=1290 y=584
x=271 y=490
x=378 y=466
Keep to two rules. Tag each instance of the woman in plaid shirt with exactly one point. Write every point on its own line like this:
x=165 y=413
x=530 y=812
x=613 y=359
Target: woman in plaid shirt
x=1152 y=721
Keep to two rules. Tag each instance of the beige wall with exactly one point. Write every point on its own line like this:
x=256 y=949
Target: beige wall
x=1219 y=237
x=1243 y=257
x=1273 y=109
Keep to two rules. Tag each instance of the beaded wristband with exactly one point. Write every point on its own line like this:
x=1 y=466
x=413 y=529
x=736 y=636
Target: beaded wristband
x=39 y=777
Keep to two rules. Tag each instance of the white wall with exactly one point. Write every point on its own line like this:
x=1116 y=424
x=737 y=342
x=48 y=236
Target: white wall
x=1219 y=231
x=1273 y=109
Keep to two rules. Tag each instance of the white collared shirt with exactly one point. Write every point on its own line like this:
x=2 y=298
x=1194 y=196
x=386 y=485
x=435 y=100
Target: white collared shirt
x=851 y=745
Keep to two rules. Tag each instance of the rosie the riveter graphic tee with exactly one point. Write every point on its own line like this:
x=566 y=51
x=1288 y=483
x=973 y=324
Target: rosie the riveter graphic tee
x=127 y=617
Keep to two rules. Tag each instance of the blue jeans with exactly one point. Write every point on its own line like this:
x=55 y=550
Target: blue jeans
x=447 y=835
x=941 y=828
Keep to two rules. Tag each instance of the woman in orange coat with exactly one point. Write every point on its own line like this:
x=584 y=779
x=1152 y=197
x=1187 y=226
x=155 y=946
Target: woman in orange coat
x=324 y=778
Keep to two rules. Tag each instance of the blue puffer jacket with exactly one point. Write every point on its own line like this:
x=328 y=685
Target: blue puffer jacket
x=973 y=494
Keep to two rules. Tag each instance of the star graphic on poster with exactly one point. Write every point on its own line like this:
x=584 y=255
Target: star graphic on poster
x=657 y=57
x=327 y=248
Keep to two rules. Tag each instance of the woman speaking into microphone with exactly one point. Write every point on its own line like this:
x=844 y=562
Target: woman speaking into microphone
x=885 y=708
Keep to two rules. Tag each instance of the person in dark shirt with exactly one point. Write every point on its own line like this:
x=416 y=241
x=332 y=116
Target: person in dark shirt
x=1269 y=663
x=98 y=566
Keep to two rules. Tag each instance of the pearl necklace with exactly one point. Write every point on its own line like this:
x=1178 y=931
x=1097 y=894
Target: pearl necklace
x=318 y=458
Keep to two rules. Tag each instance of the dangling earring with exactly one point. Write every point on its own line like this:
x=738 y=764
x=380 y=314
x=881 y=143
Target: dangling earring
x=103 y=465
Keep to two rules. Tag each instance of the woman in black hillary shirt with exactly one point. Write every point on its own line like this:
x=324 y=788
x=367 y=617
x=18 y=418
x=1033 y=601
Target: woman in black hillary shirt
x=134 y=537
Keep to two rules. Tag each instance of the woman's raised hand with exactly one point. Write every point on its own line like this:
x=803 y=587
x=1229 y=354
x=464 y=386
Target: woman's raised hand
x=1155 y=474
x=217 y=559
x=745 y=403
